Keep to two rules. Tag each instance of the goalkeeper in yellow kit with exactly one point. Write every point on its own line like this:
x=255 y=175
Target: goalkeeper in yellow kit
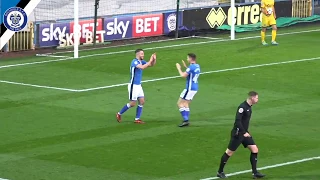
x=268 y=19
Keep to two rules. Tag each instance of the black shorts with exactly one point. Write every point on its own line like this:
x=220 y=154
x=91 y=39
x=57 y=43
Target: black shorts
x=235 y=142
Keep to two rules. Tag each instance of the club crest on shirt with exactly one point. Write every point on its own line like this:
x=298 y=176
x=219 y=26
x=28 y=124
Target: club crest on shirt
x=15 y=19
x=240 y=110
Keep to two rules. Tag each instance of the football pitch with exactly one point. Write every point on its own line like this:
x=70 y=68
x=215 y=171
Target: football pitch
x=58 y=114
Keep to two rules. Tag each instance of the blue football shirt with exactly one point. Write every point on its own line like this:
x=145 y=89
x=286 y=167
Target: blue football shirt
x=192 y=79
x=136 y=73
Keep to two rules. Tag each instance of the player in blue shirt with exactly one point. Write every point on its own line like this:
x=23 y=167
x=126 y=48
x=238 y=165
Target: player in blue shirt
x=134 y=87
x=191 y=74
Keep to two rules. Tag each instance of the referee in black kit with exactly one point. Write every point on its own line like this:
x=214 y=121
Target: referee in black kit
x=241 y=135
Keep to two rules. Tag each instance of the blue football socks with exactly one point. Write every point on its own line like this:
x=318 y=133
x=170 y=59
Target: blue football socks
x=184 y=113
x=124 y=109
x=139 y=112
x=187 y=113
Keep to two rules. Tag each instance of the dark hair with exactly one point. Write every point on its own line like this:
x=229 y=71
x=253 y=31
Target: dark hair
x=138 y=50
x=192 y=56
x=252 y=93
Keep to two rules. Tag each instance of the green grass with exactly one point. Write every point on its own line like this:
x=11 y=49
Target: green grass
x=49 y=134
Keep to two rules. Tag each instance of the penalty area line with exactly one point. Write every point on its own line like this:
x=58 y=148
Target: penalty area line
x=207 y=72
x=160 y=79
x=38 y=86
x=268 y=167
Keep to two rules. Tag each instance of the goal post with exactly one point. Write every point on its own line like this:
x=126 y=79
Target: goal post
x=76 y=30
x=233 y=16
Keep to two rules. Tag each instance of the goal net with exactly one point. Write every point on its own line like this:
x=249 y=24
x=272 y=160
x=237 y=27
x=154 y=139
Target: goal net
x=53 y=10
x=116 y=20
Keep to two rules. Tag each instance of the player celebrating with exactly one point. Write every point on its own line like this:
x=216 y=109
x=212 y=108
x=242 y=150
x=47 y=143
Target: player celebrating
x=134 y=87
x=241 y=135
x=268 y=19
x=191 y=74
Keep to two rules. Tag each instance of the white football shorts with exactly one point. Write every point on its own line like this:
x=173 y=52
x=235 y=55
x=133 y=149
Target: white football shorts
x=135 y=92
x=188 y=94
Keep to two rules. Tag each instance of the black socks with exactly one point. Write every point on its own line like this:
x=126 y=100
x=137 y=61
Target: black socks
x=223 y=162
x=253 y=160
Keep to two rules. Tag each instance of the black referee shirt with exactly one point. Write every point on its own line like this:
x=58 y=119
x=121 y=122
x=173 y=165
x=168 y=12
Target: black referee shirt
x=243 y=115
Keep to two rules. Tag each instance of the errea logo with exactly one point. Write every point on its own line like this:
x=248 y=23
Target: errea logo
x=216 y=17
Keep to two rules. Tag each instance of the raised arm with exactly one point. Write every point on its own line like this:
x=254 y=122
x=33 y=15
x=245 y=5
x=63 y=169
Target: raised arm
x=144 y=66
x=182 y=74
x=184 y=64
x=153 y=58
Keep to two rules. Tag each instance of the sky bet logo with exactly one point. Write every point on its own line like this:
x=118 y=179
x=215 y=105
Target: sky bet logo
x=53 y=32
x=50 y=34
x=108 y=29
x=117 y=26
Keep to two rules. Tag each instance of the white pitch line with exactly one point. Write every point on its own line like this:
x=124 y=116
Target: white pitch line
x=151 y=48
x=37 y=62
x=125 y=84
x=196 y=43
x=206 y=37
x=50 y=55
x=268 y=167
x=207 y=72
x=38 y=86
x=160 y=79
x=124 y=45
